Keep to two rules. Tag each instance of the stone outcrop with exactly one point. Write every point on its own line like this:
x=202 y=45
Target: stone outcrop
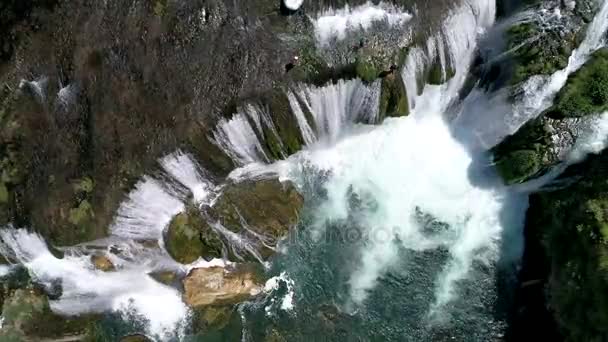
x=220 y=286
x=261 y=211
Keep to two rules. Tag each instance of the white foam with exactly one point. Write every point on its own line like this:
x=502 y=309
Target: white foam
x=4 y=270
x=86 y=290
x=273 y=284
x=146 y=212
x=183 y=169
x=336 y=24
x=238 y=139
x=293 y=4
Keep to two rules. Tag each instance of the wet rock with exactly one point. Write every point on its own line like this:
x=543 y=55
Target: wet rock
x=168 y=278
x=586 y=91
x=545 y=141
x=213 y=317
x=267 y=207
x=220 y=286
x=189 y=238
x=135 y=338
x=27 y=316
x=393 y=96
x=570 y=224
x=102 y=263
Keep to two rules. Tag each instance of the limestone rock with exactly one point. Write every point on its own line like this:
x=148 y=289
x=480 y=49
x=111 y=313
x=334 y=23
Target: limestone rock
x=219 y=286
x=102 y=263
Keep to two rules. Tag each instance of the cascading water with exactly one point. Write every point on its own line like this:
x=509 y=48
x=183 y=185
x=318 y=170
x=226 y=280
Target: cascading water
x=336 y=24
x=404 y=236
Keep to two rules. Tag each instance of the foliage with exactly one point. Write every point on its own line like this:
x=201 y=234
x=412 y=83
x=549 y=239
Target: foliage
x=586 y=91
x=573 y=223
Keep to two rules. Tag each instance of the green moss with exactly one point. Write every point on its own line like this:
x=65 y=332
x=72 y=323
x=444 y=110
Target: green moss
x=84 y=185
x=366 y=70
x=572 y=223
x=393 y=97
x=525 y=153
x=82 y=214
x=190 y=238
x=160 y=7
x=519 y=165
x=586 y=91
x=435 y=75
x=3 y=194
x=540 y=54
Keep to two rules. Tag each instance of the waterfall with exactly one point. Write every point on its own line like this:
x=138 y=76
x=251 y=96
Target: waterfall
x=333 y=24
x=453 y=47
x=540 y=91
x=86 y=290
x=147 y=211
x=333 y=108
x=336 y=107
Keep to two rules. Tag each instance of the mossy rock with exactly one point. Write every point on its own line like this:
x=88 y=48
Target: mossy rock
x=519 y=166
x=3 y=194
x=366 y=70
x=268 y=206
x=572 y=224
x=102 y=263
x=82 y=214
x=586 y=91
x=189 y=238
x=547 y=52
x=27 y=314
x=525 y=153
x=393 y=97
x=84 y=185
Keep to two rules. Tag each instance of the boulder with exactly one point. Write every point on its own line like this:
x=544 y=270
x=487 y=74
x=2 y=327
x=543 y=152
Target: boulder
x=261 y=211
x=102 y=263
x=268 y=207
x=189 y=237
x=220 y=286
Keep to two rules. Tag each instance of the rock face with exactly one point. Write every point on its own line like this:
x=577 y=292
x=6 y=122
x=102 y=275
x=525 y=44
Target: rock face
x=267 y=206
x=189 y=237
x=218 y=286
x=260 y=211
x=544 y=141
x=572 y=225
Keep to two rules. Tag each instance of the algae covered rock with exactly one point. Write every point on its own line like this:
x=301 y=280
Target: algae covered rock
x=524 y=154
x=27 y=316
x=543 y=142
x=393 y=96
x=189 y=238
x=220 y=286
x=268 y=207
x=586 y=91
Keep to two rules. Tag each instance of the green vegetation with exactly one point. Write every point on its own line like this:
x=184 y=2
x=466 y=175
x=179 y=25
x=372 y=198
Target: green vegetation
x=525 y=153
x=586 y=91
x=573 y=225
x=366 y=70
x=160 y=8
x=542 y=53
